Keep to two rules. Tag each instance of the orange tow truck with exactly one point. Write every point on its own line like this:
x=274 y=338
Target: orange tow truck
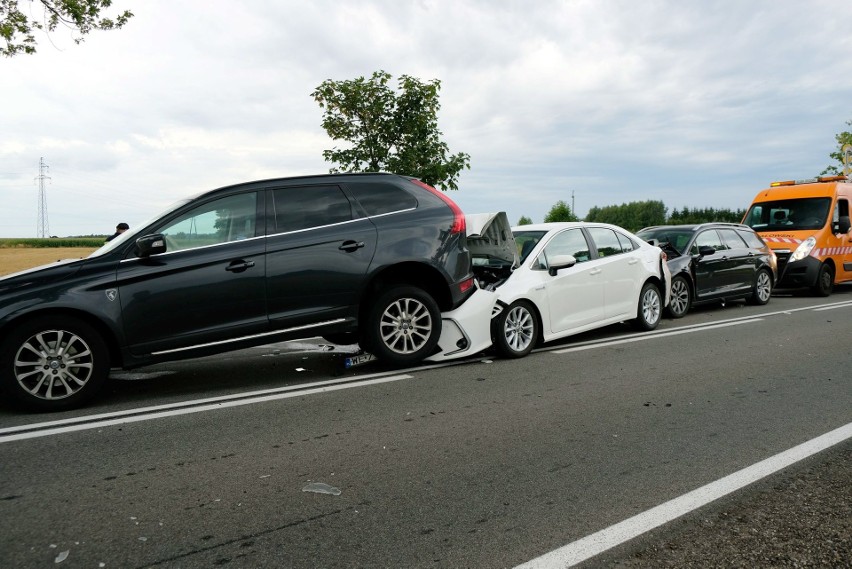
x=806 y=223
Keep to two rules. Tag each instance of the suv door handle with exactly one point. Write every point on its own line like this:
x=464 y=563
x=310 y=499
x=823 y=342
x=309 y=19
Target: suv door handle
x=239 y=266
x=350 y=246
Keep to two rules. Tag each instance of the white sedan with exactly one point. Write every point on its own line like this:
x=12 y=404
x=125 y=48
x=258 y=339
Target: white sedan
x=547 y=281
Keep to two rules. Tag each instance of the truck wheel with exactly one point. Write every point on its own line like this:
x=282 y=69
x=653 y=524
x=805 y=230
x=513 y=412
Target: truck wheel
x=52 y=363
x=403 y=326
x=825 y=281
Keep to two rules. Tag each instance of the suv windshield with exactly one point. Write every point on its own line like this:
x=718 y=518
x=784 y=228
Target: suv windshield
x=788 y=215
x=669 y=237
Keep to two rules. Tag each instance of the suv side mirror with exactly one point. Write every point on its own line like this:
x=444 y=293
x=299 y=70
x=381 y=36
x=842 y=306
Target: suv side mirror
x=560 y=262
x=148 y=245
x=843 y=225
x=705 y=250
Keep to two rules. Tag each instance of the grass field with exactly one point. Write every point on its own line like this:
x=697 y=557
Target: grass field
x=14 y=259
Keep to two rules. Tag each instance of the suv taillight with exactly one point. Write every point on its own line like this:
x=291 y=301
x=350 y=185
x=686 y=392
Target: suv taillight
x=459 y=224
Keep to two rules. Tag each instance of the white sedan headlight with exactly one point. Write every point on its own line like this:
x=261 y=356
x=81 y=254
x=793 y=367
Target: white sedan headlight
x=804 y=249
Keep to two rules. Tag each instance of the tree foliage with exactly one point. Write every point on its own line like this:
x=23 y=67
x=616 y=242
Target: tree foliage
x=560 y=212
x=636 y=215
x=388 y=131
x=632 y=216
x=524 y=220
x=705 y=215
x=842 y=138
x=18 y=28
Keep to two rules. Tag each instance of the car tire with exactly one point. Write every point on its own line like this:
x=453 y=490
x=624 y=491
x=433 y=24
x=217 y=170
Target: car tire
x=53 y=363
x=825 y=281
x=650 y=308
x=402 y=326
x=762 y=288
x=681 y=299
x=516 y=330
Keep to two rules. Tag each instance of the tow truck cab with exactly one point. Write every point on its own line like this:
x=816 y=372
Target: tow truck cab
x=806 y=223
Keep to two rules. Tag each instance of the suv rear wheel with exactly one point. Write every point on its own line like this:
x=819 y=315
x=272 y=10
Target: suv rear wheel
x=403 y=326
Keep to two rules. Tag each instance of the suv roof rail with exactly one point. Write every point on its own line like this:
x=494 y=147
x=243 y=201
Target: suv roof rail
x=723 y=223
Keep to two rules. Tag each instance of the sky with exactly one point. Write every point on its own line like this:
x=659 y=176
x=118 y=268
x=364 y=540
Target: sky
x=592 y=102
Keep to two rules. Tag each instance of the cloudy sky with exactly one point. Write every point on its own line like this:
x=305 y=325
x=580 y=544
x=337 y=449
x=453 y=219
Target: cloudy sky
x=594 y=102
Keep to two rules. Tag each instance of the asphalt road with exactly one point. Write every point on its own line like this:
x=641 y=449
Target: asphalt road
x=281 y=457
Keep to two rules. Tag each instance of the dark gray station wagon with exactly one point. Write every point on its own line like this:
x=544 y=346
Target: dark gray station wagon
x=369 y=258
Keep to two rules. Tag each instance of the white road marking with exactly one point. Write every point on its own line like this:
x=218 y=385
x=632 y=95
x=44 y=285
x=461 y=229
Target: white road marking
x=596 y=543
x=136 y=415
x=832 y=307
x=643 y=337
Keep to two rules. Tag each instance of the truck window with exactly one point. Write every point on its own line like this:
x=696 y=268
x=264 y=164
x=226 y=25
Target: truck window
x=789 y=215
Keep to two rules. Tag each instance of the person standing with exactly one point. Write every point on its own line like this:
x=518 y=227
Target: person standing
x=119 y=229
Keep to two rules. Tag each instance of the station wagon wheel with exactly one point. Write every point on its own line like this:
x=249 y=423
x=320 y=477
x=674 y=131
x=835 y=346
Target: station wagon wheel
x=681 y=298
x=516 y=330
x=403 y=326
x=762 y=288
x=650 y=308
x=53 y=363
x=825 y=281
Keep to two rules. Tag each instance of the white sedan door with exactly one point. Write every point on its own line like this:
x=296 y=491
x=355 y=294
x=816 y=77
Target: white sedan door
x=623 y=272
x=575 y=296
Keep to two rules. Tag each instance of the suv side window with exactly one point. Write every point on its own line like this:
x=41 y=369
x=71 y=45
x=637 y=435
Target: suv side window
x=569 y=242
x=606 y=241
x=379 y=198
x=231 y=218
x=297 y=208
x=707 y=238
x=731 y=239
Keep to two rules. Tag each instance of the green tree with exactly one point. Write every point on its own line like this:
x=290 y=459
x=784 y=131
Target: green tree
x=524 y=220
x=387 y=131
x=842 y=138
x=18 y=28
x=560 y=212
x=632 y=216
x=705 y=215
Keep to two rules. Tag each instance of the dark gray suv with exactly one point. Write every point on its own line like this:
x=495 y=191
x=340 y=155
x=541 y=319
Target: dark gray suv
x=370 y=258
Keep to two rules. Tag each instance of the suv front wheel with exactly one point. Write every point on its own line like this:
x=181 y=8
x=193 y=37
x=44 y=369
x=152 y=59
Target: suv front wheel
x=52 y=363
x=403 y=326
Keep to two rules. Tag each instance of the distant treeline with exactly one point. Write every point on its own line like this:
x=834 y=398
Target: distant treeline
x=53 y=242
x=634 y=216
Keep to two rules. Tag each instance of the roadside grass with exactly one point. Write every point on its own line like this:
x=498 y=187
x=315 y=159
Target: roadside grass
x=53 y=242
x=19 y=258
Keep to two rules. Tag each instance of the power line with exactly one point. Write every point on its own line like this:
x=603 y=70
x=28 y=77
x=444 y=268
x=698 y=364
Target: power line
x=43 y=230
